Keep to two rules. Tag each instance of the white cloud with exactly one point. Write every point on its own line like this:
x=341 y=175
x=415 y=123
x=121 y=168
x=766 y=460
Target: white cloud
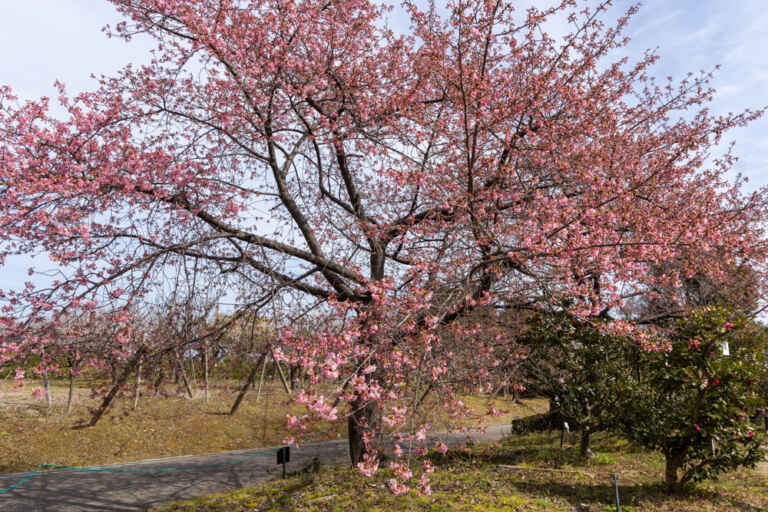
x=655 y=23
x=46 y=40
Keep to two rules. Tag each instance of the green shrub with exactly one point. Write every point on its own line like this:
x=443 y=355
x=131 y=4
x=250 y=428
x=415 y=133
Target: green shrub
x=693 y=403
x=579 y=369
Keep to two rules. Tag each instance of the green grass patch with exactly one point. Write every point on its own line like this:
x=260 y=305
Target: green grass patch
x=523 y=473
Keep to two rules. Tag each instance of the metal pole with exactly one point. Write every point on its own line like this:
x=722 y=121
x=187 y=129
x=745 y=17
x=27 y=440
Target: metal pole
x=615 y=479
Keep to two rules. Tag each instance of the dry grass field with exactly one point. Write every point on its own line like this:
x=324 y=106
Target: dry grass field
x=163 y=426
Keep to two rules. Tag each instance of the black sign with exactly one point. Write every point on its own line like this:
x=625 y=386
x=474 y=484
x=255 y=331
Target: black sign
x=284 y=455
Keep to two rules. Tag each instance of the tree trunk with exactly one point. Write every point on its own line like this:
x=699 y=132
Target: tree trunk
x=47 y=387
x=71 y=389
x=129 y=369
x=113 y=369
x=159 y=379
x=673 y=464
x=248 y=382
x=584 y=443
x=361 y=420
x=192 y=371
x=174 y=371
x=181 y=370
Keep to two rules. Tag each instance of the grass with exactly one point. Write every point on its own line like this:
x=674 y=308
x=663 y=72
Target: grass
x=160 y=427
x=524 y=473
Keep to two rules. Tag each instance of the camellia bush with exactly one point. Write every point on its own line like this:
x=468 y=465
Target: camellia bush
x=694 y=404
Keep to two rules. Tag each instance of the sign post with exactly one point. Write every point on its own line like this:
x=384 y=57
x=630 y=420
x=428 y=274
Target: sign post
x=565 y=428
x=284 y=456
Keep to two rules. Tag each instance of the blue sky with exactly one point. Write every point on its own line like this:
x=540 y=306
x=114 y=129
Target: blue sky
x=45 y=40
x=696 y=35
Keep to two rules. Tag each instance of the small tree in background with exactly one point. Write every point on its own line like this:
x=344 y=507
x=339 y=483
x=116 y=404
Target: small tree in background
x=581 y=370
x=694 y=403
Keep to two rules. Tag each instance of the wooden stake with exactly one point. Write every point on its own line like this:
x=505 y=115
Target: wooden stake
x=261 y=379
x=205 y=372
x=280 y=372
x=137 y=388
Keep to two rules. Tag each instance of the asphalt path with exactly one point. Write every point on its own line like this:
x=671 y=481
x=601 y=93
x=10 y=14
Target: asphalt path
x=195 y=475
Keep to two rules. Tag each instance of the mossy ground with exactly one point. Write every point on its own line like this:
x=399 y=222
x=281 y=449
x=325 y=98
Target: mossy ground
x=523 y=473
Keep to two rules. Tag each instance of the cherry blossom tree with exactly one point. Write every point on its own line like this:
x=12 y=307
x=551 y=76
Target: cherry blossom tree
x=302 y=151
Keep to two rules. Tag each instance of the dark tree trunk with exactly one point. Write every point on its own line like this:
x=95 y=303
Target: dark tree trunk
x=114 y=371
x=584 y=443
x=159 y=380
x=248 y=382
x=173 y=370
x=360 y=421
x=127 y=371
x=673 y=464
x=182 y=371
x=364 y=416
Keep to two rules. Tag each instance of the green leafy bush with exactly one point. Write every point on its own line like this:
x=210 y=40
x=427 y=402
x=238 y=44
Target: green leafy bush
x=579 y=369
x=693 y=403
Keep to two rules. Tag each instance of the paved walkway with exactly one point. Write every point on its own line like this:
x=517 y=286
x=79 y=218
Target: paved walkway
x=70 y=491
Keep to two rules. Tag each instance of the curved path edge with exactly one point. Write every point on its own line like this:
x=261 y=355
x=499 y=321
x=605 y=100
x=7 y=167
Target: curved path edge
x=143 y=484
